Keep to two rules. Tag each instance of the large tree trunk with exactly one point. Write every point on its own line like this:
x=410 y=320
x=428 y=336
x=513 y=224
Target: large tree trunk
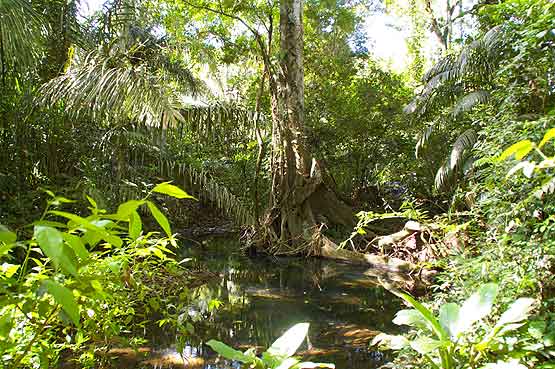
x=301 y=201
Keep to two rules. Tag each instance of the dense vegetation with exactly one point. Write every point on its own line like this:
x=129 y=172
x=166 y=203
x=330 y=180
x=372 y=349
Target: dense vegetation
x=277 y=114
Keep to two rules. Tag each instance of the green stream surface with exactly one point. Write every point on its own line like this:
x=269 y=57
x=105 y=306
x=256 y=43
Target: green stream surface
x=262 y=297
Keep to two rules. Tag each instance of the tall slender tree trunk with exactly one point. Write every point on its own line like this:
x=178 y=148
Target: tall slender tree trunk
x=301 y=202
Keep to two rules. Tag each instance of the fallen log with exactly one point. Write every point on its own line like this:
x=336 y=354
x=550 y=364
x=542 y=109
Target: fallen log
x=386 y=242
x=328 y=249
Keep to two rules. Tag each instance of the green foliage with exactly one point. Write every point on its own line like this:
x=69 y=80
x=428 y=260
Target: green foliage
x=452 y=339
x=279 y=354
x=79 y=278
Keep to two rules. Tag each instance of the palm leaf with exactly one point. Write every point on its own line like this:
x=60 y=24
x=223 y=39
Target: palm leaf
x=101 y=88
x=22 y=32
x=464 y=142
x=423 y=140
x=470 y=100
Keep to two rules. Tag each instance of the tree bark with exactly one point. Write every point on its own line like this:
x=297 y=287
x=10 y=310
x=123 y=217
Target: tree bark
x=300 y=203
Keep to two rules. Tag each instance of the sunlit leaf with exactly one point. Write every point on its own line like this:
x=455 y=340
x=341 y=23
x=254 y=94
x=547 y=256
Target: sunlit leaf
x=477 y=306
x=517 y=311
x=81 y=222
x=229 y=352
x=168 y=189
x=449 y=318
x=7 y=236
x=426 y=313
x=549 y=135
x=289 y=342
x=135 y=225
x=77 y=245
x=128 y=207
x=425 y=345
x=160 y=218
x=412 y=318
x=63 y=296
x=390 y=342
x=519 y=150
x=287 y=363
x=51 y=242
x=8 y=269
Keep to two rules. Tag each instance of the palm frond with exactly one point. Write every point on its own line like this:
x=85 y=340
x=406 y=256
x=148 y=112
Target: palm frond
x=464 y=142
x=101 y=88
x=458 y=160
x=454 y=75
x=207 y=188
x=442 y=176
x=469 y=101
x=223 y=123
x=423 y=140
x=22 y=32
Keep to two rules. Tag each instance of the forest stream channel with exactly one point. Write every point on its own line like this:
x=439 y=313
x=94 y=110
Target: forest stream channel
x=262 y=297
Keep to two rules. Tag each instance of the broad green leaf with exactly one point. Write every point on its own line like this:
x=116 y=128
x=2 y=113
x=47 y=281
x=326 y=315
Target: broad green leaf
x=81 y=222
x=289 y=342
x=168 y=189
x=412 y=318
x=160 y=218
x=5 y=248
x=390 y=342
x=135 y=225
x=127 y=208
x=288 y=363
x=77 y=245
x=310 y=365
x=449 y=319
x=426 y=313
x=519 y=150
x=517 y=311
x=425 y=345
x=8 y=270
x=549 y=135
x=477 y=306
x=229 y=352
x=51 y=242
x=6 y=324
x=63 y=296
x=6 y=236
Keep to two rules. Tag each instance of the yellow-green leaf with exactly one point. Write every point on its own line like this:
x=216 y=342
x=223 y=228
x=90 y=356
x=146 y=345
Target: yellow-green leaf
x=160 y=218
x=127 y=208
x=51 y=242
x=77 y=245
x=135 y=225
x=519 y=150
x=549 y=135
x=7 y=236
x=168 y=189
x=63 y=296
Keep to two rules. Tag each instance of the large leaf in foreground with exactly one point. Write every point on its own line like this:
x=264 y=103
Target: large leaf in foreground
x=290 y=341
x=63 y=296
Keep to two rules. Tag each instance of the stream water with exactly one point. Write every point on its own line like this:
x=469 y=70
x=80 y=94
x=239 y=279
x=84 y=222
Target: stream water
x=262 y=297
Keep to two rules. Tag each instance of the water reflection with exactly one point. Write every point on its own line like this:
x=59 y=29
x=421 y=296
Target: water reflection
x=263 y=297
